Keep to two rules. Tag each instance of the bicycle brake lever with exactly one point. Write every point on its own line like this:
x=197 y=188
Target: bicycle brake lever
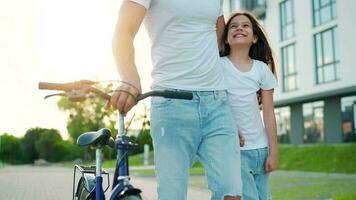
x=77 y=95
x=52 y=95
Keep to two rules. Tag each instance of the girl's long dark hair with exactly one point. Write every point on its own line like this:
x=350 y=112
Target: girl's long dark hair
x=261 y=50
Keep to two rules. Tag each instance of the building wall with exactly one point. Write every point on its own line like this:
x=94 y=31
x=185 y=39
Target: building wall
x=305 y=58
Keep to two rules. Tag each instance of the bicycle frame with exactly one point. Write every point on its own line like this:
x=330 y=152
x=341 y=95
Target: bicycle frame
x=78 y=91
x=121 y=178
x=92 y=177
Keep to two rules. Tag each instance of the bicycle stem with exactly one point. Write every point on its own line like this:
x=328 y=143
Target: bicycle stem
x=121 y=128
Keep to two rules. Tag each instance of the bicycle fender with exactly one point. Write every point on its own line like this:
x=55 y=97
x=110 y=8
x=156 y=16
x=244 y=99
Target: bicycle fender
x=89 y=180
x=130 y=190
x=121 y=191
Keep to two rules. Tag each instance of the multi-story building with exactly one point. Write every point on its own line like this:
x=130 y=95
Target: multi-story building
x=314 y=42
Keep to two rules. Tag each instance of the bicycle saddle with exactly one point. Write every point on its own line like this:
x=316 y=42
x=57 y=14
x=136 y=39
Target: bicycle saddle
x=99 y=138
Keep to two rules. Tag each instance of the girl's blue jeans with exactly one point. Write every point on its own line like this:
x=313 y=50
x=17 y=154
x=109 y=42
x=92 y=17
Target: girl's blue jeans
x=203 y=128
x=254 y=177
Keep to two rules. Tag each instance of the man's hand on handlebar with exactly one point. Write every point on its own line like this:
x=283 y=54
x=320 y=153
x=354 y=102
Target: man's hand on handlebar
x=124 y=97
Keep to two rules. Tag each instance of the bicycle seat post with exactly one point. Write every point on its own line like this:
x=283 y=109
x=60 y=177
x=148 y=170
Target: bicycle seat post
x=98 y=173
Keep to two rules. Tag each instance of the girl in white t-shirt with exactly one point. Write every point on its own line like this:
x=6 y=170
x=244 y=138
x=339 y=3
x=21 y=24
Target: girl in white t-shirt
x=249 y=74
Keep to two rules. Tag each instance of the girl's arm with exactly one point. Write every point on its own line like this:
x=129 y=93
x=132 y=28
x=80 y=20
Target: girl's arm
x=269 y=120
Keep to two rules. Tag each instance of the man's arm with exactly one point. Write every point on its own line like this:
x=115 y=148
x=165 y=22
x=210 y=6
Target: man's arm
x=220 y=25
x=130 y=18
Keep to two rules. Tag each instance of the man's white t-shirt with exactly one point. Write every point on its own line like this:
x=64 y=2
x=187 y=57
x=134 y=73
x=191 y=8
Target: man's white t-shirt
x=184 y=47
x=242 y=88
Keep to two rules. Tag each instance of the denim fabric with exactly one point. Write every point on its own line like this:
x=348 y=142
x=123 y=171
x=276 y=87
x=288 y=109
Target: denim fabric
x=254 y=179
x=183 y=130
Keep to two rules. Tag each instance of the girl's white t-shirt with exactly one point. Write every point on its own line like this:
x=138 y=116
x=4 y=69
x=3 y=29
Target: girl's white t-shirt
x=242 y=88
x=184 y=48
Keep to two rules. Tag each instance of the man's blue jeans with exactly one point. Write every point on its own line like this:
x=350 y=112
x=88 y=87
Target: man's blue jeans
x=203 y=128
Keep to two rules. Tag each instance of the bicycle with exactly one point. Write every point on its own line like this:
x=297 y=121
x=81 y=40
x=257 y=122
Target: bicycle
x=90 y=185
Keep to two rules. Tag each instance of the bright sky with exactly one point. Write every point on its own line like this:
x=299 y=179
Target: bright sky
x=55 y=41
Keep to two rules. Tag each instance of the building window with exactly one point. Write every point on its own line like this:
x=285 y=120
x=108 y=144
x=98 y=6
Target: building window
x=313 y=114
x=233 y=5
x=253 y=4
x=286 y=19
x=283 y=124
x=326 y=56
x=288 y=68
x=262 y=20
x=348 y=109
x=323 y=11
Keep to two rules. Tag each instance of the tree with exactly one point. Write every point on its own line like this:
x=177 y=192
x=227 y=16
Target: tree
x=87 y=115
x=10 y=151
x=144 y=136
x=28 y=143
x=47 y=145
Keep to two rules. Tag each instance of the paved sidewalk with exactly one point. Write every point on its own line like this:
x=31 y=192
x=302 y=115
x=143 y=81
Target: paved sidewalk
x=44 y=183
x=35 y=183
x=149 y=188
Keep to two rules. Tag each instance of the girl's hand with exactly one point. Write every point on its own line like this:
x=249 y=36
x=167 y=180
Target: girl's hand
x=271 y=163
x=241 y=139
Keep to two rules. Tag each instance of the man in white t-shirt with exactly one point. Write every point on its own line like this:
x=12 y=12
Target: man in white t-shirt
x=185 y=57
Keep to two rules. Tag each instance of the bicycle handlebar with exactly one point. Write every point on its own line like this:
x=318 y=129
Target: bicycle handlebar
x=167 y=94
x=57 y=86
x=87 y=86
x=64 y=86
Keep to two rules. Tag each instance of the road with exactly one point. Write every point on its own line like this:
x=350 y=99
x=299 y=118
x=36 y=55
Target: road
x=55 y=183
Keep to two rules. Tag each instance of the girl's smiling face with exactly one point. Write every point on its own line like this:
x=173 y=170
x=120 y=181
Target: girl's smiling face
x=241 y=32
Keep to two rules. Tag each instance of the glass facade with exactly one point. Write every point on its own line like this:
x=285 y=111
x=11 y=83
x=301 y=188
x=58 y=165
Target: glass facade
x=313 y=114
x=262 y=20
x=283 y=124
x=323 y=11
x=327 y=56
x=232 y=5
x=289 y=68
x=286 y=12
x=253 y=4
x=348 y=109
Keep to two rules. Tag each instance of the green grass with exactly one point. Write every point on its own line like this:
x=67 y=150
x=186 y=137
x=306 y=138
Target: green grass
x=146 y=172
x=292 y=185
x=295 y=185
x=289 y=184
x=338 y=158
x=303 y=185
x=350 y=196
x=137 y=160
x=151 y=172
